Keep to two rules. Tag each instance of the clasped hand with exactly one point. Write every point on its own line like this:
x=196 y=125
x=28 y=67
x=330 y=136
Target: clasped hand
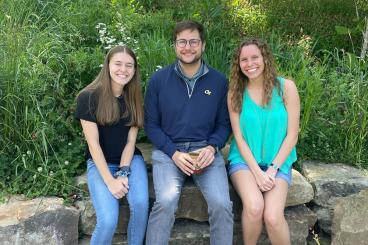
x=186 y=163
x=119 y=187
x=266 y=180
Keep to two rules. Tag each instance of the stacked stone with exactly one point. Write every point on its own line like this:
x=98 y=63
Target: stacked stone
x=335 y=194
x=191 y=225
x=340 y=201
x=43 y=220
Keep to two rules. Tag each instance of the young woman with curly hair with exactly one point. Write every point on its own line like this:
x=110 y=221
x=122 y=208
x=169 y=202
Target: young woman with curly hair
x=264 y=111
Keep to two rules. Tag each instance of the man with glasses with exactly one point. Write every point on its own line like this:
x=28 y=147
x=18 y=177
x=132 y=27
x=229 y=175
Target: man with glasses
x=186 y=112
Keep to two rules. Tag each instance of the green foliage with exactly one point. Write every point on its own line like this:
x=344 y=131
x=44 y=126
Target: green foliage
x=51 y=49
x=316 y=19
x=334 y=102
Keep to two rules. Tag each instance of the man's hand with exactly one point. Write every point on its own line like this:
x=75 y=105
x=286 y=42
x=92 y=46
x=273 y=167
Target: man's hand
x=184 y=162
x=206 y=156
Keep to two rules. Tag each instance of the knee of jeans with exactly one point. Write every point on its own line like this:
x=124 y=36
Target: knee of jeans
x=167 y=204
x=220 y=204
x=141 y=204
x=107 y=223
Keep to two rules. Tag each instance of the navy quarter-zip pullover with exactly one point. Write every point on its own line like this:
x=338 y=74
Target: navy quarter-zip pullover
x=173 y=116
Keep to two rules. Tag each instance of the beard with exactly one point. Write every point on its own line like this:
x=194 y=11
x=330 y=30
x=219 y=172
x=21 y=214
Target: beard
x=196 y=59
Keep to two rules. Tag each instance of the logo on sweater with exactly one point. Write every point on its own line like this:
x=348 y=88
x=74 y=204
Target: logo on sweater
x=208 y=92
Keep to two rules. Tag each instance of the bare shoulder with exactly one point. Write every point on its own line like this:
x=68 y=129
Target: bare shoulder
x=290 y=87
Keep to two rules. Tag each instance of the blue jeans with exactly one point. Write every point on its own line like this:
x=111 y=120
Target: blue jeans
x=107 y=206
x=168 y=180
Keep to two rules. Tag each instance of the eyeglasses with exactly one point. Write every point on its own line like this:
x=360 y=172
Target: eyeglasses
x=181 y=43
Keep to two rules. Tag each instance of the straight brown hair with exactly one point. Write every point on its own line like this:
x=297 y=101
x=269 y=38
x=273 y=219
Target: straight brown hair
x=108 y=110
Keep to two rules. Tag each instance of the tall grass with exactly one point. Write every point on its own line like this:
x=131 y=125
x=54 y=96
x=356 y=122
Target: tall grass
x=50 y=50
x=334 y=101
x=33 y=51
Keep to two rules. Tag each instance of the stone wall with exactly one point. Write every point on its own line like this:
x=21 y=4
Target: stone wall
x=329 y=193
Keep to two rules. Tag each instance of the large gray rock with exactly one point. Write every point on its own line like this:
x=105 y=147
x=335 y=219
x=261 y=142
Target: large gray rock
x=39 y=221
x=350 y=220
x=87 y=220
x=331 y=181
x=189 y=232
x=300 y=191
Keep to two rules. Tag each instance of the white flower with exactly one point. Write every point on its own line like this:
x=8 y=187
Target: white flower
x=66 y=162
x=39 y=169
x=29 y=152
x=70 y=143
x=51 y=173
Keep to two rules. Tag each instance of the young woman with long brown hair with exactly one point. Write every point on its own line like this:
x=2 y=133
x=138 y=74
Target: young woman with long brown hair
x=110 y=111
x=264 y=111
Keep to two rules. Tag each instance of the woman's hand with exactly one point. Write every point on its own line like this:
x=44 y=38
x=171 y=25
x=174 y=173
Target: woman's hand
x=264 y=181
x=118 y=187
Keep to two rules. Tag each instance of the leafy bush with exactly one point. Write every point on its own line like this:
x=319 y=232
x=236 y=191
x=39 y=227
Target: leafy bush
x=51 y=49
x=316 y=19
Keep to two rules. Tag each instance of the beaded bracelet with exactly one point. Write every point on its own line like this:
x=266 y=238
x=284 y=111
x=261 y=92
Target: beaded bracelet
x=123 y=172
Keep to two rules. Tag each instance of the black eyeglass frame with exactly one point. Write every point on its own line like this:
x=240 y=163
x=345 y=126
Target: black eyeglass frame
x=193 y=43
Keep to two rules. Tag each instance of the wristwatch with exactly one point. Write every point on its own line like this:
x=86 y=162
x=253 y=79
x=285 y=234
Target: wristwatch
x=123 y=172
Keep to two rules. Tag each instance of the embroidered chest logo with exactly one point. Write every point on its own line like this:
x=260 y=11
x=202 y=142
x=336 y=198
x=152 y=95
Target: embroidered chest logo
x=208 y=92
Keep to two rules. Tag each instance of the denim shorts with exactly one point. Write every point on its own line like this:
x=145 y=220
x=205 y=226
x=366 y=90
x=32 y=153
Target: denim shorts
x=232 y=168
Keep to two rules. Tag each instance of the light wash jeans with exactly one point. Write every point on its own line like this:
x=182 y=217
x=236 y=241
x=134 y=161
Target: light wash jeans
x=107 y=206
x=168 y=180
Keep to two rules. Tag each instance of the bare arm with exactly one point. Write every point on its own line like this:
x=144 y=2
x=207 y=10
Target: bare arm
x=292 y=104
x=90 y=131
x=264 y=181
x=128 y=152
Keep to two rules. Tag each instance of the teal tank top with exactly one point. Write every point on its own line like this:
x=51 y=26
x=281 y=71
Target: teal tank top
x=264 y=129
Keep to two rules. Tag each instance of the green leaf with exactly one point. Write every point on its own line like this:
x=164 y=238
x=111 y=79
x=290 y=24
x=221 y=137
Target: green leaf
x=342 y=30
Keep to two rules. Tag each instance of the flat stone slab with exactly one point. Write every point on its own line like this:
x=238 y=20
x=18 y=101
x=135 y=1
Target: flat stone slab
x=330 y=182
x=189 y=232
x=43 y=220
x=350 y=220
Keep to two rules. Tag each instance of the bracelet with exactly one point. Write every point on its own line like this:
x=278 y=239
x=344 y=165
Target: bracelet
x=274 y=166
x=123 y=172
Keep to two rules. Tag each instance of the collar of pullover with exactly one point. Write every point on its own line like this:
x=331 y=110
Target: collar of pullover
x=203 y=69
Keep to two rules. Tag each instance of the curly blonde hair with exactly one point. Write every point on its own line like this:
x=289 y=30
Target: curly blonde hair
x=239 y=81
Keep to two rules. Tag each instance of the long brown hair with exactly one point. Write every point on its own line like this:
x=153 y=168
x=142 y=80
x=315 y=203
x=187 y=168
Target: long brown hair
x=108 y=110
x=239 y=81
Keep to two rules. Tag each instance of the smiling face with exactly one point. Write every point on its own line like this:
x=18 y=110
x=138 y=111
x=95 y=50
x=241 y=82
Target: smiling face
x=121 y=67
x=251 y=62
x=191 y=53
